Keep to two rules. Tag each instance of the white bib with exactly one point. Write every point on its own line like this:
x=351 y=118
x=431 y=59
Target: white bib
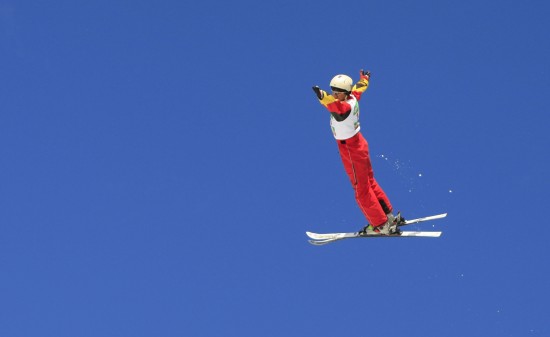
x=350 y=126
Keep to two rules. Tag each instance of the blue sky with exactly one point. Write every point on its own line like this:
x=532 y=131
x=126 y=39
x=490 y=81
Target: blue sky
x=162 y=160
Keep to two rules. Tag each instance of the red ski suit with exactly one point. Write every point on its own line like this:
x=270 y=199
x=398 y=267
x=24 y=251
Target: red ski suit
x=354 y=151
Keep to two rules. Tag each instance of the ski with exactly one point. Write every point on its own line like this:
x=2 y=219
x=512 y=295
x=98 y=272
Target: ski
x=404 y=234
x=427 y=218
x=322 y=239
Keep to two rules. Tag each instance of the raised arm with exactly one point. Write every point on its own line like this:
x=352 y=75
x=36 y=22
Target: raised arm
x=361 y=85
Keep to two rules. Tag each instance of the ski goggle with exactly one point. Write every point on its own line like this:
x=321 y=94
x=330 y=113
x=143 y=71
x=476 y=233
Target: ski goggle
x=338 y=91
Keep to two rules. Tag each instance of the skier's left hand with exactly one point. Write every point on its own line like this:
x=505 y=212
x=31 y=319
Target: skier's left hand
x=364 y=74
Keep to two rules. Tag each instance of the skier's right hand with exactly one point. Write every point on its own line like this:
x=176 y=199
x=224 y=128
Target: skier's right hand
x=320 y=93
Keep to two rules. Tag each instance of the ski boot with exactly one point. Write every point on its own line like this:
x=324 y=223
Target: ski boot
x=395 y=221
x=384 y=229
x=378 y=230
x=390 y=227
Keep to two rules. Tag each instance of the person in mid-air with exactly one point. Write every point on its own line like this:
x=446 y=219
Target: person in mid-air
x=343 y=105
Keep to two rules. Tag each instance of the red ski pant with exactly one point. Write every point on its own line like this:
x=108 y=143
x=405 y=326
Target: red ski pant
x=369 y=195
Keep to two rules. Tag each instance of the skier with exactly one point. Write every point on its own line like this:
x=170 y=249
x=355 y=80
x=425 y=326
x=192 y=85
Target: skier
x=343 y=106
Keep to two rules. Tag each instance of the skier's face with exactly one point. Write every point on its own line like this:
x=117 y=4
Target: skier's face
x=341 y=96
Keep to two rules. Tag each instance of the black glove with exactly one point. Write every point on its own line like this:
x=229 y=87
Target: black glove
x=365 y=74
x=318 y=92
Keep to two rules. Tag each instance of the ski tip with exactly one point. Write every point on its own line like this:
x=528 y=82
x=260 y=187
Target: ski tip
x=311 y=235
x=319 y=242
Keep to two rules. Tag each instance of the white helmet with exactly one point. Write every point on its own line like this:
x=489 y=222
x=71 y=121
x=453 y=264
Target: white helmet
x=341 y=83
